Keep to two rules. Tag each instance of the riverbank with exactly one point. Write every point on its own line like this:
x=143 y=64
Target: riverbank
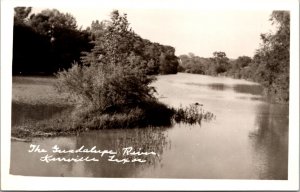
x=38 y=110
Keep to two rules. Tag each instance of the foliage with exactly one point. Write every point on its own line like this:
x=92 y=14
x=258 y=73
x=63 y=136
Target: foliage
x=48 y=21
x=152 y=58
x=110 y=77
x=49 y=41
x=269 y=66
x=97 y=88
x=96 y=29
x=240 y=67
x=21 y=14
x=45 y=42
x=192 y=114
x=218 y=64
x=272 y=58
x=168 y=61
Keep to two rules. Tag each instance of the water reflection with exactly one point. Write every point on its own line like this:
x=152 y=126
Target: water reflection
x=150 y=139
x=217 y=86
x=249 y=89
x=253 y=89
x=144 y=140
x=270 y=142
x=213 y=86
x=23 y=113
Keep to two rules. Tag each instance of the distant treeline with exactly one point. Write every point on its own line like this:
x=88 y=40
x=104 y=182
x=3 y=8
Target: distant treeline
x=269 y=66
x=218 y=65
x=50 y=41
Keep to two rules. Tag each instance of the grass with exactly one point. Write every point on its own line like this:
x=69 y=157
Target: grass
x=36 y=90
x=38 y=110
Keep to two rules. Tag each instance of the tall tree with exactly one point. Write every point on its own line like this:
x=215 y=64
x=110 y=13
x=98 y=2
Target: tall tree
x=97 y=29
x=48 y=21
x=220 y=62
x=273 y=58
x=168 y=61
x=29 y=47
x=21 y=14
x=66 y=41
x=111 y=74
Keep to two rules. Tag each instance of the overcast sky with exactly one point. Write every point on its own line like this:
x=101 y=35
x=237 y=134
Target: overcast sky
x=201 y=32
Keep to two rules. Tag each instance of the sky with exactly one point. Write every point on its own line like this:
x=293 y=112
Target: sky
x=202 y=32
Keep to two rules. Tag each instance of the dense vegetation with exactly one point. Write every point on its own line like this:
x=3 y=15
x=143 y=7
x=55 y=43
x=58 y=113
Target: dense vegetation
x=269 y=66
x=49 y=41
x=107 y=69
x=110 y=87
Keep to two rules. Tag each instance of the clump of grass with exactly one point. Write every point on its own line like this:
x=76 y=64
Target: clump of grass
x=192 y=114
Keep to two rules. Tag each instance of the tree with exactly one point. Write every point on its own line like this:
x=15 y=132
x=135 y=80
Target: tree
x=30 y=49
x=66 y=41
x=168 y=61
x=240 y=67
x=243 y=61
x=194 y=64
x=110 y=76
x=220 y=62
x=48 y=21
x=21 y=14
x=272 y=58
x=97 y=29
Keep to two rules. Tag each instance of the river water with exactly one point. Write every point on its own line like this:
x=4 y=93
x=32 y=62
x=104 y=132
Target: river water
x=248 y=139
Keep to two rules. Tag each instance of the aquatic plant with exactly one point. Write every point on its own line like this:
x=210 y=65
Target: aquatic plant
x=192 y=114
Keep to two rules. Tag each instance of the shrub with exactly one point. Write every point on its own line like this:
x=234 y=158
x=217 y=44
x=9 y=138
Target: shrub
x=192 y=114
x=109 y=76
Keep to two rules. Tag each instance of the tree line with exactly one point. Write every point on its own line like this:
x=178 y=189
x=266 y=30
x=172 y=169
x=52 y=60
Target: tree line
x=50 y=41
x=269 y=66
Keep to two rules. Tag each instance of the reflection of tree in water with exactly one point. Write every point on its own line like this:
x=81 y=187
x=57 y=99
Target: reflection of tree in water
x=149 y=139
x=249 y=89
x=217 y=86
x=144 y=140
x=270 y=142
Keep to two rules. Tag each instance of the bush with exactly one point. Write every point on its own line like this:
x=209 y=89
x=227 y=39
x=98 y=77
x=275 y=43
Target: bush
x=192 y=114
x=95 y=89
x=109 y=79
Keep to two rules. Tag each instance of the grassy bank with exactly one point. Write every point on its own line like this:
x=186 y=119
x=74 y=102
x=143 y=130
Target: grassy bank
x=38 y=110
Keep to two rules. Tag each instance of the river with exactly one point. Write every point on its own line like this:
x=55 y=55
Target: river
x=248 y=139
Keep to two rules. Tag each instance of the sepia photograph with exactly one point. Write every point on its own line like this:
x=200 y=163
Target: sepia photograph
x=152 y=91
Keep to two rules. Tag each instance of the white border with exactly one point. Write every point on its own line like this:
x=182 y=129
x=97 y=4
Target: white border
x=10 y=182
